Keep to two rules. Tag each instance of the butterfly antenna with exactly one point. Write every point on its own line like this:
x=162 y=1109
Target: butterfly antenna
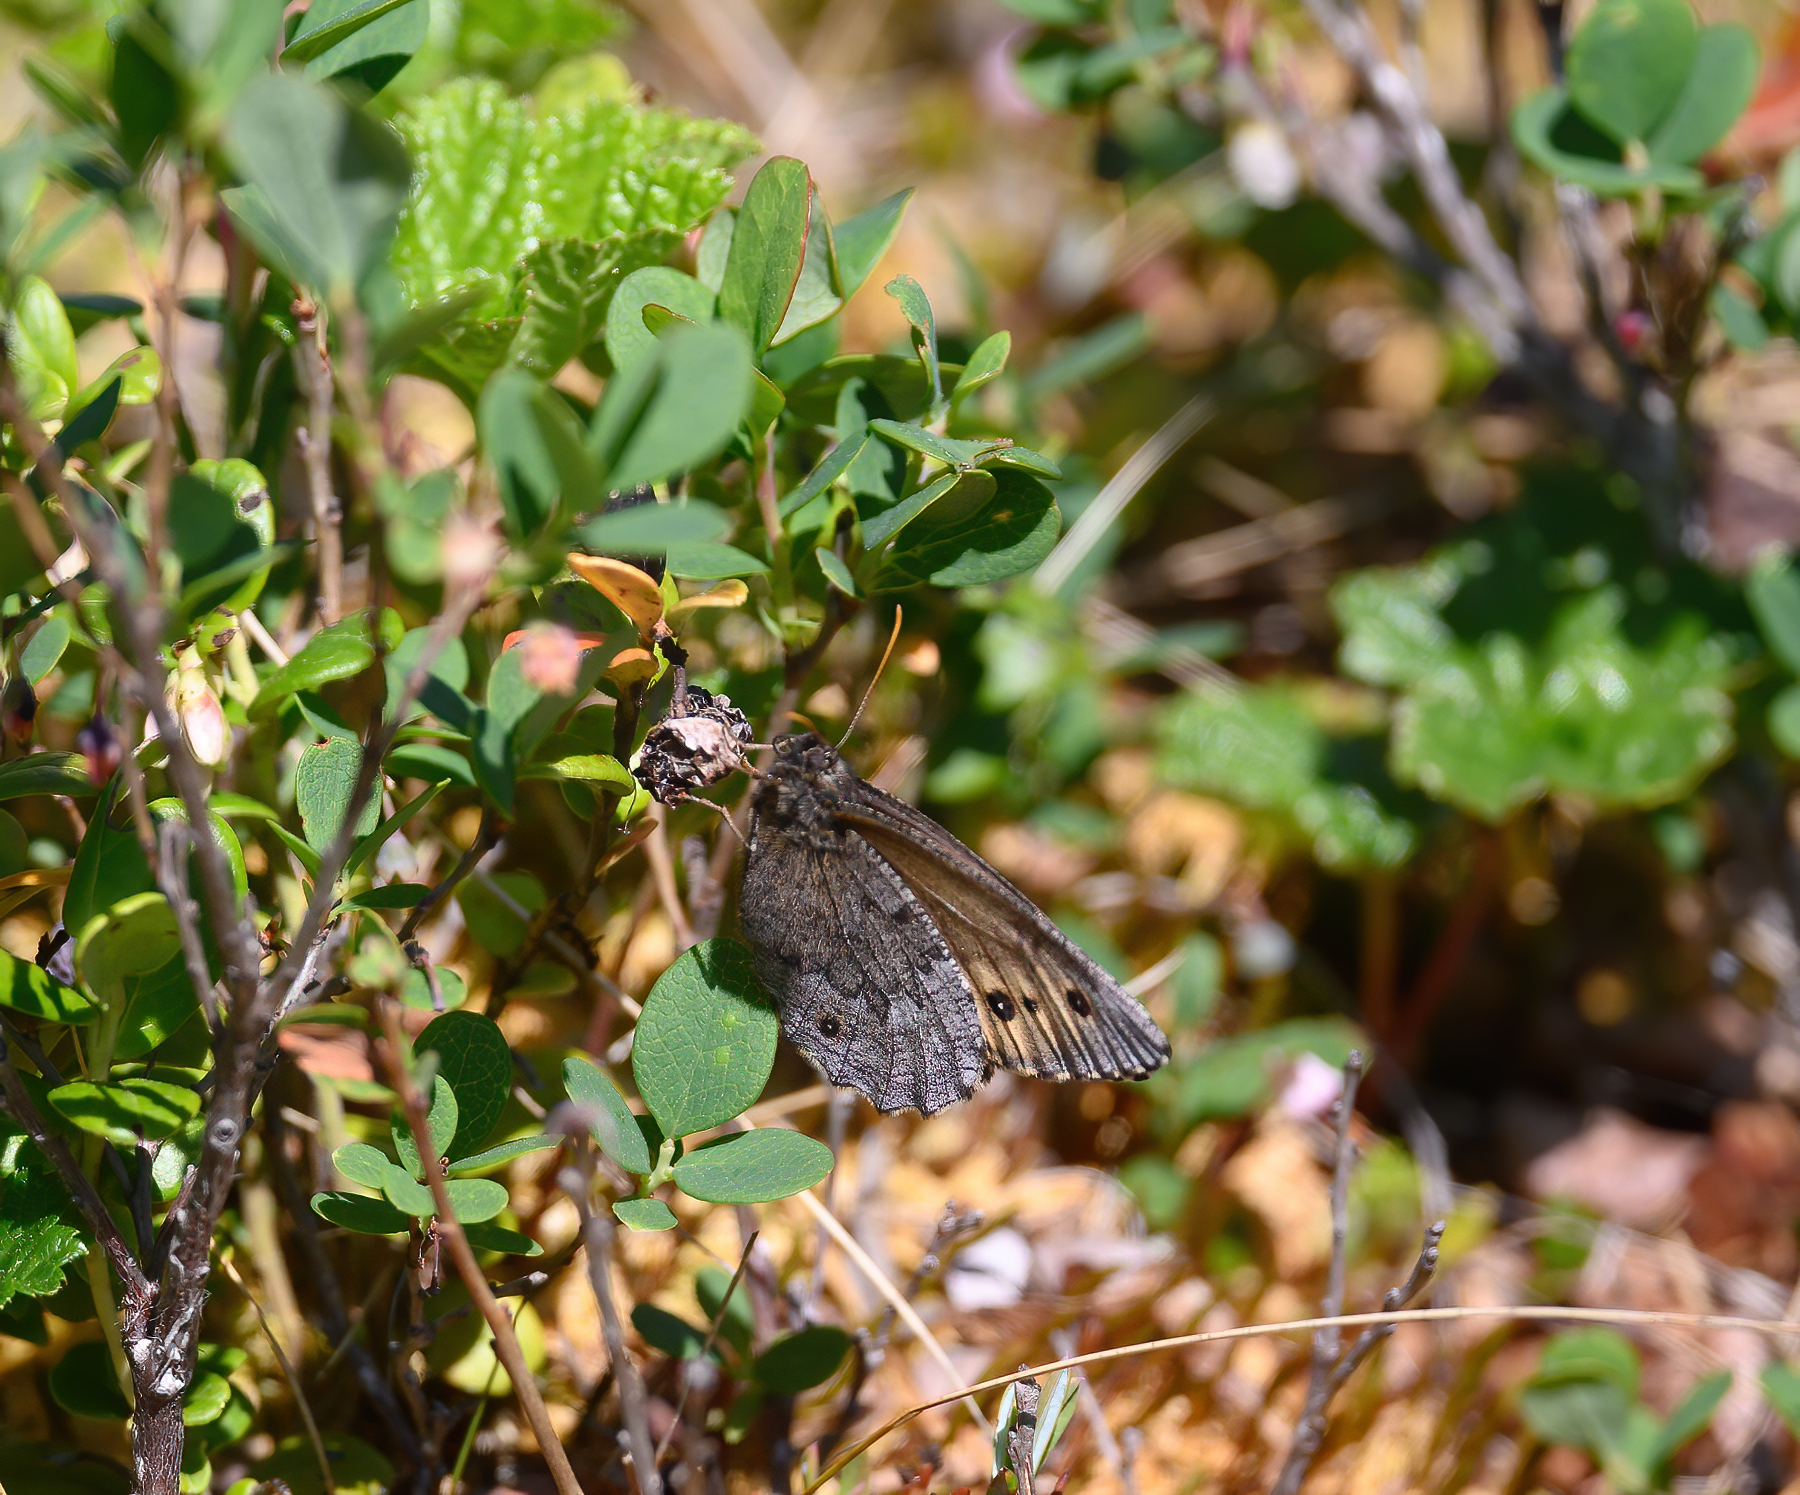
x=886 y=654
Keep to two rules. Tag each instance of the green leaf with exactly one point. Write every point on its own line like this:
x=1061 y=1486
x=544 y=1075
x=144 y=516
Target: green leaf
x=493 y=1157
x=832 y=466
x=406 y=1193
x=674 y=409
x=1627 y=62
x=85 y=1383
x=206 y=1398
x=646 y=528
x=627 y=338
x=430 y=762
x=645 y=1214
x=836 y=572
x=1717 y=90
x=46 y=773
x=799 y=1361
x=133 y=937
x=1773 y=591
x=492 y=925
x=665 y=1331
x=495 y=180
x=585 y=768
x=1008 y=533
x=441 y=1119
x=325 y=783
x=614 y=1127
x=36 y=1241
x=1234 y=1076
x=1590 y=711
x=126 y=1112
x=534 y=444
x=753 y=1167
x=1595 y=1353
x=362 y=1164
x=26 y=988
x=359 y=1212
x=330 y=181
x=705 y=1040
x=768 y=246
x=1781 y=1387
x=415 y=991
x=1554 y=138
x=388 y=896
x=707 y=560
x=473 y=1056
x=863 y=240
x=370 y=844
x=1691 y=1416
x=985 y=365
x=917 y=308
x=570 y=287
x=308 y=858
x=366 y=40
x=472 y=1199
x=40 y=349
x=976 y=488
x=484 y=1235
x=815 y=297
x=38 y=658
x=337 y=652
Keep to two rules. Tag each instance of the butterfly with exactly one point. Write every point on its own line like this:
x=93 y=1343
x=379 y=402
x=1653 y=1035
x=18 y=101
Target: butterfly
x=902 y=963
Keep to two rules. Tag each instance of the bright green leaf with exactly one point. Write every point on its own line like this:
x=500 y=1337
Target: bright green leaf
x=645 y=1214
x=705 y=1041
x=753 y=1167
x=324 y=785
x=126 y=1112
x=474 y=1058
x=768 y=246
x=614 y=1127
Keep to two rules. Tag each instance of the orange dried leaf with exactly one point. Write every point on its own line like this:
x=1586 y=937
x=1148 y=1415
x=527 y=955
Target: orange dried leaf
x=630 y=590
x=732 y=593
x=633 y=667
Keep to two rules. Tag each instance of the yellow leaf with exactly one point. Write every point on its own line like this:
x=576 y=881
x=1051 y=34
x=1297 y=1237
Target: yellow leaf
x=622 y=584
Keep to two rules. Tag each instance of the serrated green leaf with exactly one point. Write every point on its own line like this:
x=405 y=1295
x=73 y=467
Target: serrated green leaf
x=614 y=1127
x=474 y=1058
x=569 y=287
x=705 y=1040
x=645 y=1214
x=753 y=1167
x=36 y=1241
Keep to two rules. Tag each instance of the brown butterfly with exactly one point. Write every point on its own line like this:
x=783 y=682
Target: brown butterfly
x=902 y=963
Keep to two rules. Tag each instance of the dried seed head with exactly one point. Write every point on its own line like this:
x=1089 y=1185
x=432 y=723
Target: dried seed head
x=684 y=753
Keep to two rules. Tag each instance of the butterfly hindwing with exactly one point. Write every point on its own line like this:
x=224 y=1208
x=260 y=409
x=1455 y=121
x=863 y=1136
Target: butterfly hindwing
x=868 y=990
x=1045 y=1007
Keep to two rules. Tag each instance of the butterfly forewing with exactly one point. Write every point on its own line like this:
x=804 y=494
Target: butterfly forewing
x=1046 y=1009
x=867 y=989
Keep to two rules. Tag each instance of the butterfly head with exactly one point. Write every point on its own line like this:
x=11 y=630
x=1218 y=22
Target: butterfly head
x=801 y=790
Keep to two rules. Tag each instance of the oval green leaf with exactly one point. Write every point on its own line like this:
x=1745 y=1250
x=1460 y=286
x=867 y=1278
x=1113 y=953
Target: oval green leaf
x=799 y=1361
x=706 y=1039
x=26 y=988
x=474 y=1058
x=645 y=1214
x=126 y=1112
x=614 y=1126
x=753 y=1167
x=359 y=1212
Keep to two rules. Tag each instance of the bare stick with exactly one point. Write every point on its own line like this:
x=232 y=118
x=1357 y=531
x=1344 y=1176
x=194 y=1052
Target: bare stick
x=597 y=1232
x=1309 y=1432
x=712 y=1335
x=287 y=1371
x=462 y=1257
x=313 y=357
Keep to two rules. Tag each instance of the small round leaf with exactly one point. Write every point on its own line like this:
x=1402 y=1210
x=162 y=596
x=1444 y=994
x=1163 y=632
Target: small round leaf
x=706 y=1039
x=753 y=1167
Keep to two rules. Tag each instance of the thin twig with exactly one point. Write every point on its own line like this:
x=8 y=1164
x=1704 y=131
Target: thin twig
x=1309 y=1432
x=712 y=1335
x=597 y=1233
x=287 y=1372
x=462 y=1257
x=312 y=355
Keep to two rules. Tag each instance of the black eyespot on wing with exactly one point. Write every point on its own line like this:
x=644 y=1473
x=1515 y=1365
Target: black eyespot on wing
x=1001 y=1005
x=1030 y=1003
x=829 y=1024
x=1078 y=1000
